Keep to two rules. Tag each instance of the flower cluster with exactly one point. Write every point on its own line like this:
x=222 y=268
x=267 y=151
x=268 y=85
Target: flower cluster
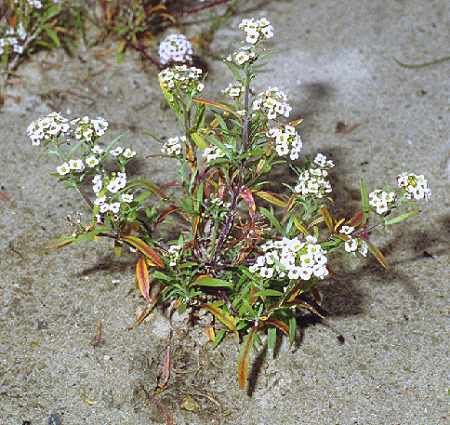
x=173 y=145
x=87 y=129
x=272 y=102
x=182 y=77
x=313 y=181
x=352 y=244
x=382 y=201
x=73 y=165
x=291 y=258
x=174 y=252
x=106 y=188
x=14 y=38
x=415 y=187
x=119 y=152
x=244 y=55
x=175 y=48
x=47 y=128
x=287 y=141
x=256 y=29
x=212 y=152
x=234 y=90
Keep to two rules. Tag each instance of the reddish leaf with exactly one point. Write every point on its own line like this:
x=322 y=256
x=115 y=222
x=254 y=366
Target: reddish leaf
x=283 y=327
x=143 y=278
x=150 y=253
x=247 y=196
x=244 y=358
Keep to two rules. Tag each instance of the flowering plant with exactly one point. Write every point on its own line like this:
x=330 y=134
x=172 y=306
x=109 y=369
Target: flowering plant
x=28 y=25
x=221 y=243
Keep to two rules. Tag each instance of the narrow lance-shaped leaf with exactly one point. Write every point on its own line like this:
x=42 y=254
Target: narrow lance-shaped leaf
x=143 y=278
x=325 y=212
x=244 y=358
x=364 y=199
x=212 y=282
x=247 y=196
x=401 y=217
x=150 y=253
x=375 y=251
x=272 y=198
x=223 y=317
x=271 y=339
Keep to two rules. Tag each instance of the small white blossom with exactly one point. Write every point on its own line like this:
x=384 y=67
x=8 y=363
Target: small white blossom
x=76 y=165
x=116 y=152
x=346 y=230
x=97 y=149
x=322 y=161
x=187 y=79
x=87 y=129
x=287 y=141
x=126 y=197
x=313 y=181
x=174 y=252
x=47 y=128
x=92 y=161
x=63 y=169
x=244 y=55
x=415 y=186
x=175 y=48
x=213 y=152
x=234 y=90
x=291 y=258
x=129 y=153
x=272 y=102
x=97 y=183
x=382 y=201
x=256 y=29
x=172 y=146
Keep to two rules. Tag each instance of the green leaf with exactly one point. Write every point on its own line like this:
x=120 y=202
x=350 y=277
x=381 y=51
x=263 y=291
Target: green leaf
x=53 y=35
x=161 y=276
x=364 y=199
x=292 y=329
x=273 y=221
x=227 y=319
x=401 y=217
x=219 y=337
x=268 y=293
x=199 y=140
x=271 y=339
x=212 y=282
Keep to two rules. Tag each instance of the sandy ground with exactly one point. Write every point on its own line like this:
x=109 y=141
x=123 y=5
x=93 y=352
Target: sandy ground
x=336 y=61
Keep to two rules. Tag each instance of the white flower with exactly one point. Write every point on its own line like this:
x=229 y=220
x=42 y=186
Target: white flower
x=47 y=128
x=346 y=230
x=291 y=258
x=97 y=149
x=174 y=252
x=243 y=55
x=175 y=48
x=213 y=152
x=128 y=153
x=92 y=161
x=87 y=129
x=97 y=183
x=63 y=169
x=415 y=186
x=363 y=248
x=272 y=102
x=116 y=152
x=172 y=146
x=256 y=30
x=351 y=245
x=76 y=165
x=287 y=141
x=382 y=201
x=322 y=162
x=186 y=79
x=234 y=90
x=114 y=207
x=126 y=197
